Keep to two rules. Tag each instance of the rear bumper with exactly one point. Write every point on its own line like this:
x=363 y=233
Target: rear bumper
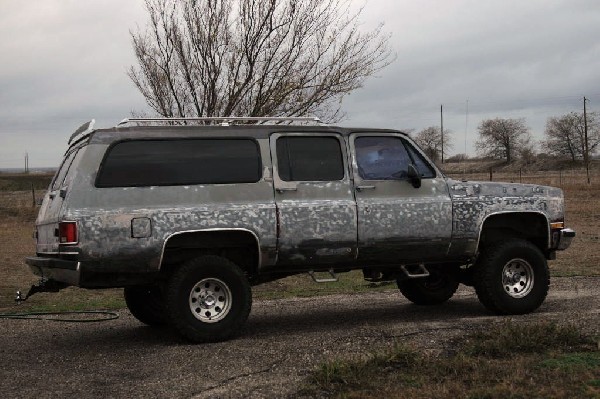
x=565 y=236
x=86 y=274
x=65 y=271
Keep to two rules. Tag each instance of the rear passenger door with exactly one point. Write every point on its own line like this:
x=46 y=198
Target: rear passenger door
x=398 y=223
x=315 y=204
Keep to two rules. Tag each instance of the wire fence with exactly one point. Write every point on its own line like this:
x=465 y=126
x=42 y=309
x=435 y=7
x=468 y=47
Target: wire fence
x=556 y=178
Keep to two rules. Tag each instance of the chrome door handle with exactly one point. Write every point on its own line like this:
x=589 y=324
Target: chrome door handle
x=360 y=188
x=283 y=189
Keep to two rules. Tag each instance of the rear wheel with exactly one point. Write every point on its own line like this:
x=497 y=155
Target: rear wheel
x=512 y=277
x=146 y=304
x=433 y=290
x=208 y=299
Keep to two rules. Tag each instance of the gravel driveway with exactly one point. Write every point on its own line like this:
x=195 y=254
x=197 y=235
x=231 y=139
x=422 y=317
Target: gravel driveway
x=283 y=340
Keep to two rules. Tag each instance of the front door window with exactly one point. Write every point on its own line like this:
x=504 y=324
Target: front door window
x=387 y=158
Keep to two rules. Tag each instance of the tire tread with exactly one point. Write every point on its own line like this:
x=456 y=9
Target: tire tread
x=221 y=330
x=485 y=278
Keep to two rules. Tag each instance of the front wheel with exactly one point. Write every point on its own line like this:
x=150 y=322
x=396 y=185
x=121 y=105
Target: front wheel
x=208 y=299
x=440 y=286
x=512 y=277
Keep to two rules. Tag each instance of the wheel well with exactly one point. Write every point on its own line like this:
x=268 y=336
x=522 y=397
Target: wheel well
x=239 y=246
x=526 y=225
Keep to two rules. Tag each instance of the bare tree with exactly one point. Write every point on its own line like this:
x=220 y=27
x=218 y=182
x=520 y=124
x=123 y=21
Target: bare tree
x=565 y=135
x=253 y=57
x=503 y=138
x=430 y=140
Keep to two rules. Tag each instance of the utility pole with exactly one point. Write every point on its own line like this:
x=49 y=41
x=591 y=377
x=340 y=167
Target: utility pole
x=586 y=157
x=26 y=163
x=442 y=128
x=466 y=129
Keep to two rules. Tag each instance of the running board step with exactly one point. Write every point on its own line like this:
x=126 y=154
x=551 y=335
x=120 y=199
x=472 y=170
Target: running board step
x=333 y=279
x=420 y=272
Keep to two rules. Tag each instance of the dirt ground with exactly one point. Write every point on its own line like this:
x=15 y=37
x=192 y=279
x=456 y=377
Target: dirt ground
x=281 y=343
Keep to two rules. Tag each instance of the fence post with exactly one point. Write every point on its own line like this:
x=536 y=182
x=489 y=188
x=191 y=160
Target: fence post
x=491 y=174
x=520 y=176
x=560 y=178
x=32 y=196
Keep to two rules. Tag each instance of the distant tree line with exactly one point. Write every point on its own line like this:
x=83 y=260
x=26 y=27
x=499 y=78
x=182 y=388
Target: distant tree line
x=510 y=139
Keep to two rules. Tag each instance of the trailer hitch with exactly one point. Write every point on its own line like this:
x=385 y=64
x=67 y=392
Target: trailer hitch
x=44 y=285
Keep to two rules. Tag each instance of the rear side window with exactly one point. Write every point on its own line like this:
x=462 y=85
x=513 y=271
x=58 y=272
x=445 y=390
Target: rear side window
x=180 y=162
x=309 y=158
x=62 y=171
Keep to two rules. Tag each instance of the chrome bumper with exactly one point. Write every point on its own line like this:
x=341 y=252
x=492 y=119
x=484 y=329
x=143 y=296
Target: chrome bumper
x=64 y=271
x=565 y=236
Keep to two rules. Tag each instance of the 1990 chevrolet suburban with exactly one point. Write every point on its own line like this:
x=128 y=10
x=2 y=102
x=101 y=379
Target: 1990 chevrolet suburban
x=187 y=215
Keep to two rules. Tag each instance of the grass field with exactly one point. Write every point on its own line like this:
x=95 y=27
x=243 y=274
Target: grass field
x=17 y=216
x=508 y=360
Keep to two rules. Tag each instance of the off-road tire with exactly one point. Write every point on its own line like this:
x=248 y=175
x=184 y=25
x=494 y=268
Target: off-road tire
x=208 y=299
x=512 y=277
x=433 y=290
x=146 y=303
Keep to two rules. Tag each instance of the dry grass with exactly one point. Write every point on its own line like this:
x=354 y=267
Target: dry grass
x=17 y=217
x=505 y=361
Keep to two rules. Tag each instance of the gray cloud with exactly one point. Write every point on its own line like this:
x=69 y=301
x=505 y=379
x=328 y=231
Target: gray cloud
x=64 y=62
x=530 y=59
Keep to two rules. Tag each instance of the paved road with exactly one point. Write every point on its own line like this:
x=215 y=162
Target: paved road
x=282 y=342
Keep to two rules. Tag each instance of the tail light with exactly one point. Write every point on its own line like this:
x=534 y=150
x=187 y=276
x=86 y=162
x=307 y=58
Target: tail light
x=67 y=232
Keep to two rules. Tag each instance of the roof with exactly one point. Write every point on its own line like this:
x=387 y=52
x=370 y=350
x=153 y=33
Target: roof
x=103 y=136
x=163 y=128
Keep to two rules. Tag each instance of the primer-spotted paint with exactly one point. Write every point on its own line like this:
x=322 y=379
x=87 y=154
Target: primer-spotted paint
x=349 y=223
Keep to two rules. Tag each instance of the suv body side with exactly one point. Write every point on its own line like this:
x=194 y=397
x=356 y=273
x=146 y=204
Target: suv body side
x=188 y=218
x=345 y=218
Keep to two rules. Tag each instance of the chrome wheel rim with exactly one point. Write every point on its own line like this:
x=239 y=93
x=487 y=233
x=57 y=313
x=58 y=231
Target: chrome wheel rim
x=517 y=278
x=210 y=300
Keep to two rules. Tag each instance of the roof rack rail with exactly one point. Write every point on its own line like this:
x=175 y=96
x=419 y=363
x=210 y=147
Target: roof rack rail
x=84 y=129
x=225 y=120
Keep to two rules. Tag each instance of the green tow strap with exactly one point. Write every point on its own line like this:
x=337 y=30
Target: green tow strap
x=94 y=316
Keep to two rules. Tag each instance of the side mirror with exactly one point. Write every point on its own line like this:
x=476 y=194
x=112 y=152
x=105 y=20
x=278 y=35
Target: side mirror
x=414 y=176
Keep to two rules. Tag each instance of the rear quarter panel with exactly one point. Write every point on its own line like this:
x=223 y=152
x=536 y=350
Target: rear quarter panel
x=105 y=216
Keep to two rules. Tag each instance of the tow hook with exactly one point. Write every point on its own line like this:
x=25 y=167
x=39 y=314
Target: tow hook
x=43 y=285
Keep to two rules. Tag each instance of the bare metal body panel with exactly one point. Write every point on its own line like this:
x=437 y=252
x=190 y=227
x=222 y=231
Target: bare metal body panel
x=350 y=223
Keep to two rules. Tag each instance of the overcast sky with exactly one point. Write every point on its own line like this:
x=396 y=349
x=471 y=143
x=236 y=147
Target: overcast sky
x=64 y=62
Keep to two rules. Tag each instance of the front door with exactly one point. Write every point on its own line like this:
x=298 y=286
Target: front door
x=398 y=223
x=315 y=204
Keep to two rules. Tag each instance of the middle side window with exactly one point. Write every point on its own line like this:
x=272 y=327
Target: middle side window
x=309 y=158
